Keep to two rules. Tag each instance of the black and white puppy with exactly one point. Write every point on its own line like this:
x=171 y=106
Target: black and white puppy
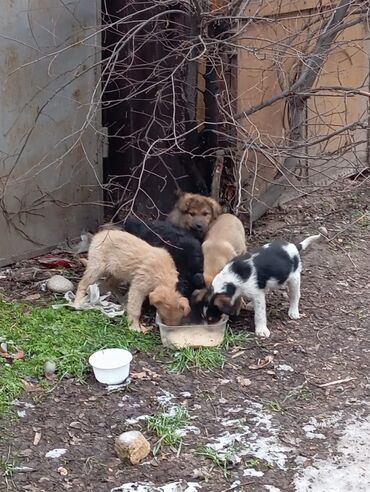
x=273 y=265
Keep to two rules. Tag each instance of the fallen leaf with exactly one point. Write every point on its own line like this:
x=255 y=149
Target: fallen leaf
x=150 y=372
x=18 y=355
x=238 y=354
x=55 y=262
x=62 y=471
x=262 y=363
x=37 y=438
x=30 y=387
x=243 y=381
x=139 y=375
x=32 y=297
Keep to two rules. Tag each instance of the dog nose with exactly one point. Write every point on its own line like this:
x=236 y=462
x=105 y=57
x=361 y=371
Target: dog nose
x=198 y=227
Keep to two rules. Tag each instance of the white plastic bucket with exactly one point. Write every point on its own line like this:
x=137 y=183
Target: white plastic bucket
x=111 y=366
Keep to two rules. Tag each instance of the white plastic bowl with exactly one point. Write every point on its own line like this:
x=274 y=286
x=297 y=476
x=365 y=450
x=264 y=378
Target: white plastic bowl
x=111 y=366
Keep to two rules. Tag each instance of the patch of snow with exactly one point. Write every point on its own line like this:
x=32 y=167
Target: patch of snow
x=24 y=404
x=300 y=460
x=55 y=453
x=272 y=488
x=237 y=409
x=269 y=449
x=189 y=428
x=227 y=440
x=248 y=438
x=185 y=394
x=285 y=368
x=233 y=423
x=327 y=422
x=251 y=472
x=150 y=487
x=197 y=407
x=165 y=400
x=310 y=429
x=21 y=413
x=348 y=470
x=116 y=387
x=135 y=420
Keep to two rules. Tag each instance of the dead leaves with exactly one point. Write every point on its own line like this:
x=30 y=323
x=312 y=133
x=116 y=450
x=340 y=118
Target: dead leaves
x=16 y=354
x=243 y=381
x=36 y=438
x=30 y=387
x=262 y=363
x=145 y=375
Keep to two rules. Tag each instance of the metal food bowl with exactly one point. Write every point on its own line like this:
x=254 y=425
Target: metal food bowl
x=197 y=335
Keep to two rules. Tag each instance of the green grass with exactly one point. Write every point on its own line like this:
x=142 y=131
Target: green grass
x=64 y=336
x=7 y=468
x=275 y=406
x=208 y=358
x=202 y=358
x=168 y=426
x=363 y=218
x=218 y=460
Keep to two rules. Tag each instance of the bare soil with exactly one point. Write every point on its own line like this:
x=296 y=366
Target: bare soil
x=272 y=416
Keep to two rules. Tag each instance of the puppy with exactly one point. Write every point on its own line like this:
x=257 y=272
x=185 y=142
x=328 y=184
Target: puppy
x=119 y=257
x=224 y=240
x=184 y=248
x=250 y=275
x=195 y=212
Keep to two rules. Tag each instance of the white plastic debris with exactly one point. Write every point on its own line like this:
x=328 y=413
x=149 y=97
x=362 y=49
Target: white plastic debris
x=93 y=300
x=55 y=453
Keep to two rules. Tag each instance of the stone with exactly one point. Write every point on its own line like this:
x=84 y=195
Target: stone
x=59 y=284
x=132 y=446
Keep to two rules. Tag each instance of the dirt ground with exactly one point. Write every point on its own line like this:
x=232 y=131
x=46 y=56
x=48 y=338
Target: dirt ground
x=285 y=429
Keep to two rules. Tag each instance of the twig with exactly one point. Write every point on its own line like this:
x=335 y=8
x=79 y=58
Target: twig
x=332 y=383
x=217 y=173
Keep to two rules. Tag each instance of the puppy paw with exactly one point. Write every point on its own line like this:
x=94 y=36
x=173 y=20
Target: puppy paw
x=295 y=315
x=136 y=326
x=263 y=332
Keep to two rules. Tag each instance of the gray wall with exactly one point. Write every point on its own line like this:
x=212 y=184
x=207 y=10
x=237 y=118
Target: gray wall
x=50 y=163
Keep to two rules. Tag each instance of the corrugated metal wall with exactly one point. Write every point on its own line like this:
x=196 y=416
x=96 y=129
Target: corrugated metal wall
x=50 y=165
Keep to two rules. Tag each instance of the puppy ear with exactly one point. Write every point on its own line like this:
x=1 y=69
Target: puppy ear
x=184 y=305
x=216 y=208
x=208 y=280
x=223 y=303
x=157 y=296
x=179 y=193
x=198 y=280
x=198 y=296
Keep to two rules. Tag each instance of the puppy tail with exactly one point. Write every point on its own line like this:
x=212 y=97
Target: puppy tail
x=303 y=245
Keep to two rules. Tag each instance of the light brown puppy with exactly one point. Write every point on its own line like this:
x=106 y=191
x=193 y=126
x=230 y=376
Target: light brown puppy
x=120 y=257
x=195 y=212
x=224 y=240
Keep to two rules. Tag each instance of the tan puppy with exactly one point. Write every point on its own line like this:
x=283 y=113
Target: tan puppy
x=224 y=240
x=120 y=257
x=195 y=212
